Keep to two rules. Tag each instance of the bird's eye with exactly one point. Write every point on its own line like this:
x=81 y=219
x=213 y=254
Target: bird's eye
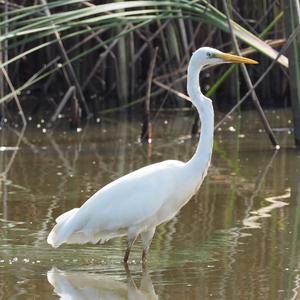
x=209 y=54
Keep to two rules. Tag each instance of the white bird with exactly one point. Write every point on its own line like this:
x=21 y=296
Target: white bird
x=138 y=202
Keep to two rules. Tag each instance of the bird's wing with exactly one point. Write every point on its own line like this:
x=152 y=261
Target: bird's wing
x=133 y=198
x=132 y=201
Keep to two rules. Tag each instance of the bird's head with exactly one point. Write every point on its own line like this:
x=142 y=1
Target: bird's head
x=211 y=56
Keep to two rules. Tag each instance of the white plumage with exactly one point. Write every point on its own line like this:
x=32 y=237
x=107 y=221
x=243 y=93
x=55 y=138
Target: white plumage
x=139 y=201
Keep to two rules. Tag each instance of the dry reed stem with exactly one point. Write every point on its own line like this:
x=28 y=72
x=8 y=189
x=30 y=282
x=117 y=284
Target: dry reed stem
x=262 y=77
x=71 y=73
x=249 y=83
x=102 y=56
x=15 y=95
x=70 y=92
x=146 y=135
x=169 y=89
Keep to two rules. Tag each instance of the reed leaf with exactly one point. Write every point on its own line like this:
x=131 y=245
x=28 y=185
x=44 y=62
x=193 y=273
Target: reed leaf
x=30 y=27
x=167 y=8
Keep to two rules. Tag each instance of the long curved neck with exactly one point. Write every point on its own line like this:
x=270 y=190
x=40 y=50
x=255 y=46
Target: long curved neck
x=201 y=158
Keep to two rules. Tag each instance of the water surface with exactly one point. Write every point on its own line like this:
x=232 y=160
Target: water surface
x=238 y=238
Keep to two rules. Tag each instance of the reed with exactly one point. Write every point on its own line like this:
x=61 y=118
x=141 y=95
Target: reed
x=105 y=49
x=292 y=21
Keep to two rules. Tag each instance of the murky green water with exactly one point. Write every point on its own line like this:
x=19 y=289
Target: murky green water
x=237 y=239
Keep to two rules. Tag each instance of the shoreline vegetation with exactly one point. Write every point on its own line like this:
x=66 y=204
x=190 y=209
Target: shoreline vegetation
x=89 y=58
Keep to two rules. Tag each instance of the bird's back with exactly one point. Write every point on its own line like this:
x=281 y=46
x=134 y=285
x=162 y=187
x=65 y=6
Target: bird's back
x=133 y=200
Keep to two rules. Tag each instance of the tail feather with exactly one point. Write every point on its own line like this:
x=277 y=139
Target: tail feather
x=63 y=217
x=73 y=227
x=61 y=231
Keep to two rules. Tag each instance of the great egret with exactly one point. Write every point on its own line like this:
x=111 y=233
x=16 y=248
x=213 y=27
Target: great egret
x=136 y=203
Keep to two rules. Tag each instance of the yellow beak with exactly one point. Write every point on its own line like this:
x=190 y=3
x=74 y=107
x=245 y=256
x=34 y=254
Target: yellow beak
x=236 y=59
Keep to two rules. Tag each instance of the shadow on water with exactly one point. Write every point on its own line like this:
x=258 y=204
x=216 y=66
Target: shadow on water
x=238 y=238
x=91 y=285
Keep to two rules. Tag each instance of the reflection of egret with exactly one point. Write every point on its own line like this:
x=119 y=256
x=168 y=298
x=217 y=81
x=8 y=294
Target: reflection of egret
x=136 y=203
x=73 y=285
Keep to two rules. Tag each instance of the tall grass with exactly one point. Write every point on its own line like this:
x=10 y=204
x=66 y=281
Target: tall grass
x=109 y=47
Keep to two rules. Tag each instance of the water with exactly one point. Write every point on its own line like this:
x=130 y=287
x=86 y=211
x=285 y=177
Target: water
x=237 y=239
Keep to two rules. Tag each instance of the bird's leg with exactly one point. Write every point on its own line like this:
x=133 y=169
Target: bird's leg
x=127 y=270
x=144 y=254
x=126 y=256
x=130 y=242
x=147 y=239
